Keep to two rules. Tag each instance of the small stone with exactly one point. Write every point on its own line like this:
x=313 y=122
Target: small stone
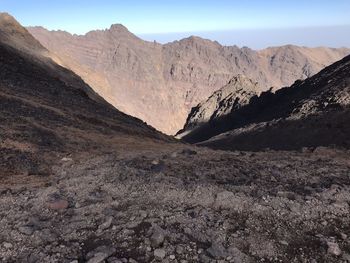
x=98 y=257
x=114 y=260
x=155 y=162
x=158 y=166
x=172 y=257
x=344 y=236
x=149 y=249
x=180 y=250
x=7 y=245
x=107 y=223
x=131 y=260
x=128 y=232
x=203 y=258
x=173 y=155
x=99 y=254
x=74 y=261
x=26 y=230
x=188 y=152
x=115 y=204
x=217 y=251
x=66 y=159
x=187 y=231
x=132 y=224
x=283 y=242
x=346 y=257
x=143 y=214
x=159 y=253
x=59 y=204
x=333 y=248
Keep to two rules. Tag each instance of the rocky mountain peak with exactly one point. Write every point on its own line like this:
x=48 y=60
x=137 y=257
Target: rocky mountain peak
x=9 y=24
x=120 y=31
x=198 y=41
x=12 y=33
x=119 y=28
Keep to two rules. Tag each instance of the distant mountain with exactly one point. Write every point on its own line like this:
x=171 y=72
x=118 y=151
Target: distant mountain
x=161 y=83
x=310 y=113
x=47 y=110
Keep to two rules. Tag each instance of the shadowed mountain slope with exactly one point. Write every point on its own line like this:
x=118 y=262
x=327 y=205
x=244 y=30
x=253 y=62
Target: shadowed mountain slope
x=313 y=112
x=236 y=94
x=161 y=83
x=48 y=110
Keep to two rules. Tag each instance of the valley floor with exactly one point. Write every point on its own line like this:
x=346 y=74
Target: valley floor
x=181 y=204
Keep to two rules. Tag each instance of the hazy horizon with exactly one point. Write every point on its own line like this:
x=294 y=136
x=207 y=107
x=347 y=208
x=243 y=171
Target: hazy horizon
x=255 y=24
x=331 y=36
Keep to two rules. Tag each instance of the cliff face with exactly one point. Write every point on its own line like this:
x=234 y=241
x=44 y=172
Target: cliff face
x=161 y=83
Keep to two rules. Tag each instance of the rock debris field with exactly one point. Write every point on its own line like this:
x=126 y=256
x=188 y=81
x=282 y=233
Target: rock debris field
x=181 y=204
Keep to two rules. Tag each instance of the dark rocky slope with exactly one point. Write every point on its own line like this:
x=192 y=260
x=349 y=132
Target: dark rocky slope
x=236 y=94
x=310 y=113
x=46 y=109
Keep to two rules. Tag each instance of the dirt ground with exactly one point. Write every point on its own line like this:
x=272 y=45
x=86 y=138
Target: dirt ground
x=178 y=203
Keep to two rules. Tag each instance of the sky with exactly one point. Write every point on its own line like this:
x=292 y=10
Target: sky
x=253 y=23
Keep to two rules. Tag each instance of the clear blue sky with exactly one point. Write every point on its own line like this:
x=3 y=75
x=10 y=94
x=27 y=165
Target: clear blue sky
x=149 y=18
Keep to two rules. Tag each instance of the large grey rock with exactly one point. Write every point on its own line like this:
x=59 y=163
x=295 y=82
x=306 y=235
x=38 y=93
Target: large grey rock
x=333 y=248
x=217 y=251
x=158 y=236
x=99 y=254
x=26 y=230
x=159 y=253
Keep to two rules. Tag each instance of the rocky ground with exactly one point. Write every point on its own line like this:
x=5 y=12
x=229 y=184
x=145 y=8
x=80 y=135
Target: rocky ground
x=180 y=204
x=83 y=182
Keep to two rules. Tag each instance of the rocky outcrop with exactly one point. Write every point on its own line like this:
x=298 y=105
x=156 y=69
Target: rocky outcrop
x=161 y=83
x=234 y=95
x=311 y=113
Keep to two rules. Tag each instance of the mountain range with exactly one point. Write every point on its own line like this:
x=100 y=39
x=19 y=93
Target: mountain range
x=161 y=83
